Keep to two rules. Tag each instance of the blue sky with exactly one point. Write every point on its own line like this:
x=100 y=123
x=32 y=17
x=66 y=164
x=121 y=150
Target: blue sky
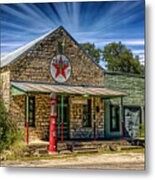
x=96 y=22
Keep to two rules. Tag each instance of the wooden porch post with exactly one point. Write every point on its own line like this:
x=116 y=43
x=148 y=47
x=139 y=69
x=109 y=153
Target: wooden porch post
x=62 y=119
x=94 y=118
x=27 y=119
x=121 y=118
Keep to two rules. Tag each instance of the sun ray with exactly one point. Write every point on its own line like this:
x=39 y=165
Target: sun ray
x=95 y=22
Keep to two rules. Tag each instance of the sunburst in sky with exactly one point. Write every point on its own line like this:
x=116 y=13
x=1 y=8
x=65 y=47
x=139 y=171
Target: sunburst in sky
x=95 y=22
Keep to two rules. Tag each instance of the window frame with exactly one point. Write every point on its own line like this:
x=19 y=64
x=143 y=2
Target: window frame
x=117 y=118
x=31 y=123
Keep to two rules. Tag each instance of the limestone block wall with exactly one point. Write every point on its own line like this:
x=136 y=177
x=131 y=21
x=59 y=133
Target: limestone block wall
x=34 y=65
x=42 y=115
x=17 y=109
x=5 y=87
x=77 y=131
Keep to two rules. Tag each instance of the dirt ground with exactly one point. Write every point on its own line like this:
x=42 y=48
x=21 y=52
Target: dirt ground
x=133 y=161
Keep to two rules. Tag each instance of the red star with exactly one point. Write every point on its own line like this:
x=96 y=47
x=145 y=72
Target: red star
x=60 y=68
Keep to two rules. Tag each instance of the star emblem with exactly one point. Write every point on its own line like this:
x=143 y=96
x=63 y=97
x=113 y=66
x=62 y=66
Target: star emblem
x=60 y=68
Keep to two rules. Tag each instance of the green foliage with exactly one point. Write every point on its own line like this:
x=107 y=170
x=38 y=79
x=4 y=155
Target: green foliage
x=92 y=51
x=120 y=58
x=8 y=127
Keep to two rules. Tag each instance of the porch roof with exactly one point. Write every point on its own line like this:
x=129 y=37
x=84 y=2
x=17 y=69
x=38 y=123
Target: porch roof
x=34 y=87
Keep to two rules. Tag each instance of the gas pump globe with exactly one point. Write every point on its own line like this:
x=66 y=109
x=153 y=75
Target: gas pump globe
x=53 y=120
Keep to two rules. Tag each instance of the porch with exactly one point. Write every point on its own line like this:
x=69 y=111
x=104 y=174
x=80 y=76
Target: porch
x=40 y=148
x=80 y=110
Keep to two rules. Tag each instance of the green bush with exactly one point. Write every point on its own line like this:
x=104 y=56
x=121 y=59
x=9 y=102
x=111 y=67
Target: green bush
x=8 y=128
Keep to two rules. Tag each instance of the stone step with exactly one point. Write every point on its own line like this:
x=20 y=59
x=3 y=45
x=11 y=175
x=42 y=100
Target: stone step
x=65 y=152
x=130 y=147
x=63 y=146
x=87 y=146
x=38 y=149
x=100 y=146
x=37 y=146
x=93 y=150
x=43 y=151
x=138 y=142
x=102 y=143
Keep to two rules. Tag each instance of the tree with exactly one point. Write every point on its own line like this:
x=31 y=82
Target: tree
x=120 y=58
x=92 y=51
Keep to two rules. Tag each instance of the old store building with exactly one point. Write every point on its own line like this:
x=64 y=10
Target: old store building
x=56 y=63
x=133 y=103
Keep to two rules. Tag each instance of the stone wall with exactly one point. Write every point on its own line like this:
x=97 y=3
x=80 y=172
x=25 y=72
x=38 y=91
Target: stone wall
x=5 y=87
x=34 y=65
x=77 y=131
x=42 y=115
x=17 y=109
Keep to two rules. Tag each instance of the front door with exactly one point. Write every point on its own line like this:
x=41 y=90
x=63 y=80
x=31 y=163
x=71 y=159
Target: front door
x=63 y=117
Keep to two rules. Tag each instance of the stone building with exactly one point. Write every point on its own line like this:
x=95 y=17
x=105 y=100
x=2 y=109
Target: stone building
x=55 y=62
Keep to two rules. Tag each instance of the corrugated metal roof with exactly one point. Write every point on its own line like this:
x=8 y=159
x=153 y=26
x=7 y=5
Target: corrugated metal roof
x=66 y=89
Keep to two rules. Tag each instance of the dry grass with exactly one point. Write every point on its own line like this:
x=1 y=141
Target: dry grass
x=66 y=156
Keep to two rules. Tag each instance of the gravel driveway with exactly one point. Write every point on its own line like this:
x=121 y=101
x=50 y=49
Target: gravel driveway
x=101 y=161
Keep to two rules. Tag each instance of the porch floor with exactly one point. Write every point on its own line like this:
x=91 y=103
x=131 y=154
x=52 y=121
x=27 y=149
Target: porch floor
x=81 y=142
x=40 y=148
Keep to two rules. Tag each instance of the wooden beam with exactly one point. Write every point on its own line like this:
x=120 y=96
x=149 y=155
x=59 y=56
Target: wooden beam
x=94 y=118
x=27 y=119
x=121 y=118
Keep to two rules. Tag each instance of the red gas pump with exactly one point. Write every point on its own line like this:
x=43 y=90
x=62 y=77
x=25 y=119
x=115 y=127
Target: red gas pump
x=53 y=129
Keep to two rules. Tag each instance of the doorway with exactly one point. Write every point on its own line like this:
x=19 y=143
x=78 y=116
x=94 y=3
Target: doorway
x=63 y=117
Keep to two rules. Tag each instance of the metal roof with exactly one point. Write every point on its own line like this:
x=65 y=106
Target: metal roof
x=30 y=87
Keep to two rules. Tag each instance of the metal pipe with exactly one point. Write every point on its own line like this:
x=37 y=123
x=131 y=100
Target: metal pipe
x=121 y=118
x=94 y=118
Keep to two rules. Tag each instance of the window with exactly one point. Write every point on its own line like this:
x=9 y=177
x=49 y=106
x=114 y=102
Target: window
x=132 y=118
x=114 y=118
x=31 y=111
x=87 y=114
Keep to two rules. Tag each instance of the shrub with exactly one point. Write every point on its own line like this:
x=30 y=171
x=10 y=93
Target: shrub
x=8 y=128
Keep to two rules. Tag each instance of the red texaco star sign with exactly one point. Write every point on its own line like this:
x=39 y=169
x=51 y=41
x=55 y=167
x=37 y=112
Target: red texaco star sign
x=60 y=68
